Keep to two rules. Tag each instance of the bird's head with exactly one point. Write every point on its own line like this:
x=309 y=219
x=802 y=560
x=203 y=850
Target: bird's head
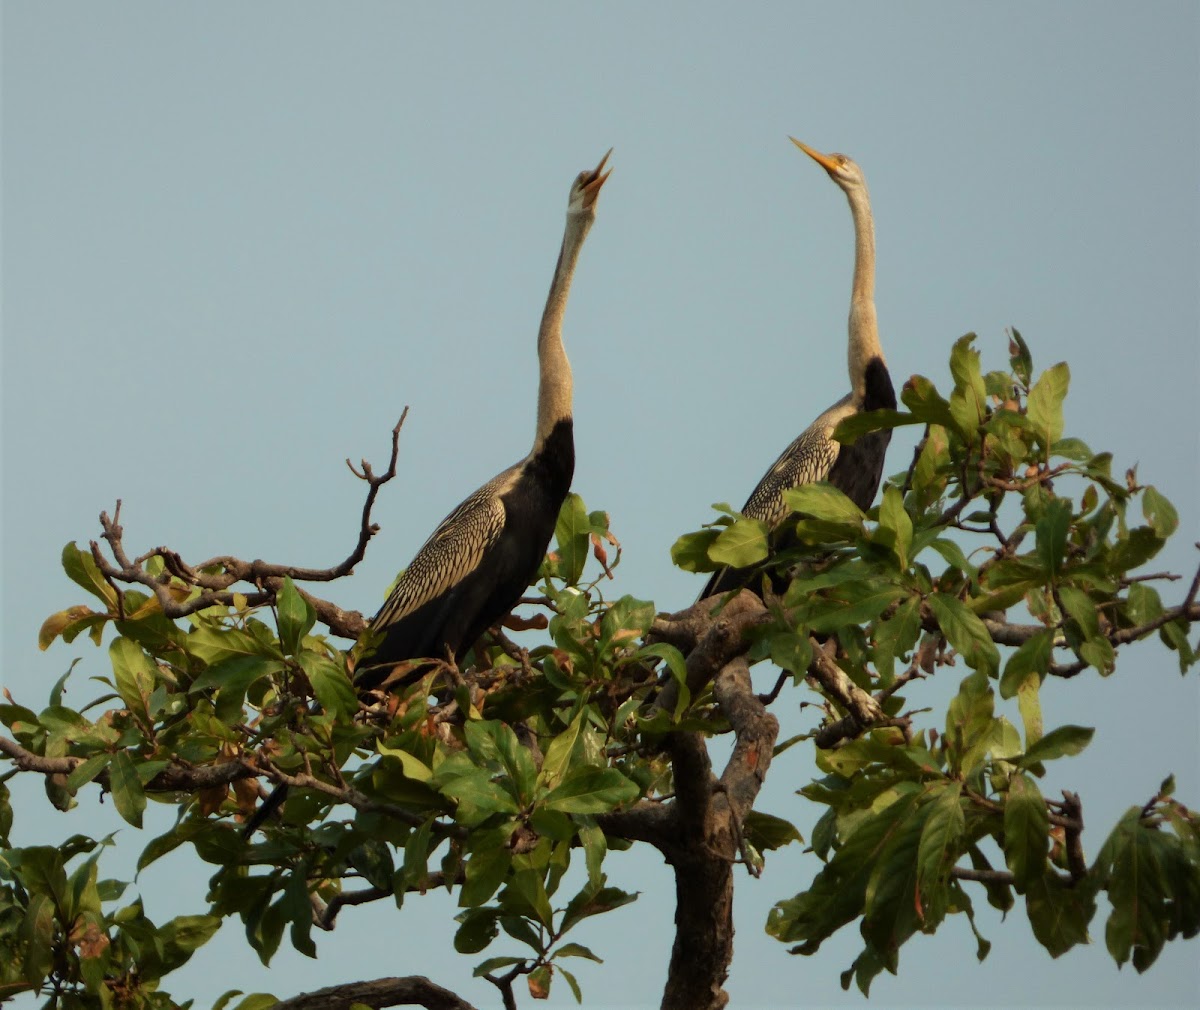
x=842 y=169
x=586 y=187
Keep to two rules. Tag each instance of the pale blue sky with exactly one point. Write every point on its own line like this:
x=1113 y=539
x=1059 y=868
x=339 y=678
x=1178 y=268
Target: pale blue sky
x=238 y=239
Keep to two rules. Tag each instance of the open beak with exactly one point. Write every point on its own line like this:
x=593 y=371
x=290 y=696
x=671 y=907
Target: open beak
x=592 y=188
x=823 y=160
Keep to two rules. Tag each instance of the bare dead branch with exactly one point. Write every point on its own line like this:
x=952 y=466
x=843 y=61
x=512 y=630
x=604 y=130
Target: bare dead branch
x=216 y=587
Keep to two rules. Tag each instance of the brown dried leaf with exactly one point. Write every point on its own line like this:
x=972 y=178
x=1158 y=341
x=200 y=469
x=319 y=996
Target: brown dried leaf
x=92 y=943
x=211 y=799
x=537 y=622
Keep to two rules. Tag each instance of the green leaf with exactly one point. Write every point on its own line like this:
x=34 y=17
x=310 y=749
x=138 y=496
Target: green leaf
x=1026 y=830
x=558 y=754
x=690 y=551
x=1044 y=406
x=81 y=569
x=740 y=545
x=183 y=832
x=135 y=674
x=625 y=621
x=1029 y=703
x=953 y=555
x=1052 y=528
x=526 y=894
x=84 y=773
x=517 y=761
x=577 y=950
x=486 y=869
x=1159 y=512
x=921 y=397
x=595 y=848
x=1033 y=656
x=970 y=723
x=190 y=932
x=330 y=684
x=210 y=646
x=373 y=859
x=896 y=636
x=768 y=832
x=853 y=603
x=1062 y=742
x=966 y=633
x=257 y=1001
x=1153 y=883
x=37 y=937
x=1073 y=449
x=941 y=837
x=1019 y=357
x=669 y=654
x=852 y=428
x=478 y=796
x=1143 y=603
x=235 y=674
x=968 y=402
x=593 y=900
x=895 y=525
x=571 y=532
x=825 y=502
x=296 y=616
x=492 y=963
x=1059 y=913
x=521 y=930
x=588 y=790
x=412 y=766
x=572 y=982
x=790 y=651
x=1134 y=549
x=128 y=795
x=837 y=895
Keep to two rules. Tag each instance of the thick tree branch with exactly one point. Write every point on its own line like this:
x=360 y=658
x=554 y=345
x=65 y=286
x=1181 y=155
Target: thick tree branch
x=833 y=680
x=409 y=990
x=643 y=822
x=713 y=641
x=756 y=731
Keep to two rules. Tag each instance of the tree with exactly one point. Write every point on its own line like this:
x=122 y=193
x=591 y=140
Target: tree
x=493 y=779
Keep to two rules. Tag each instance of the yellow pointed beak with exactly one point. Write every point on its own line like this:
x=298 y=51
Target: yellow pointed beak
x=592 y=189
x=823 y=160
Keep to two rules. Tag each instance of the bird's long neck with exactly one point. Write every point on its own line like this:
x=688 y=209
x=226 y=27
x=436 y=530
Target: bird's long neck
x=864 y=330
x=554 y=382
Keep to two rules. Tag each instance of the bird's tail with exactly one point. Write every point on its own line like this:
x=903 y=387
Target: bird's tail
x=269 y=806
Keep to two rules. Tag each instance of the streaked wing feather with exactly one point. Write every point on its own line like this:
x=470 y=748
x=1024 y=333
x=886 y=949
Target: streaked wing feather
x=454 y=549
x=809 y=458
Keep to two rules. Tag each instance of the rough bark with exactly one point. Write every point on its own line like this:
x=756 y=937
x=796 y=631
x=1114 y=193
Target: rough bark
x=411 y=990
